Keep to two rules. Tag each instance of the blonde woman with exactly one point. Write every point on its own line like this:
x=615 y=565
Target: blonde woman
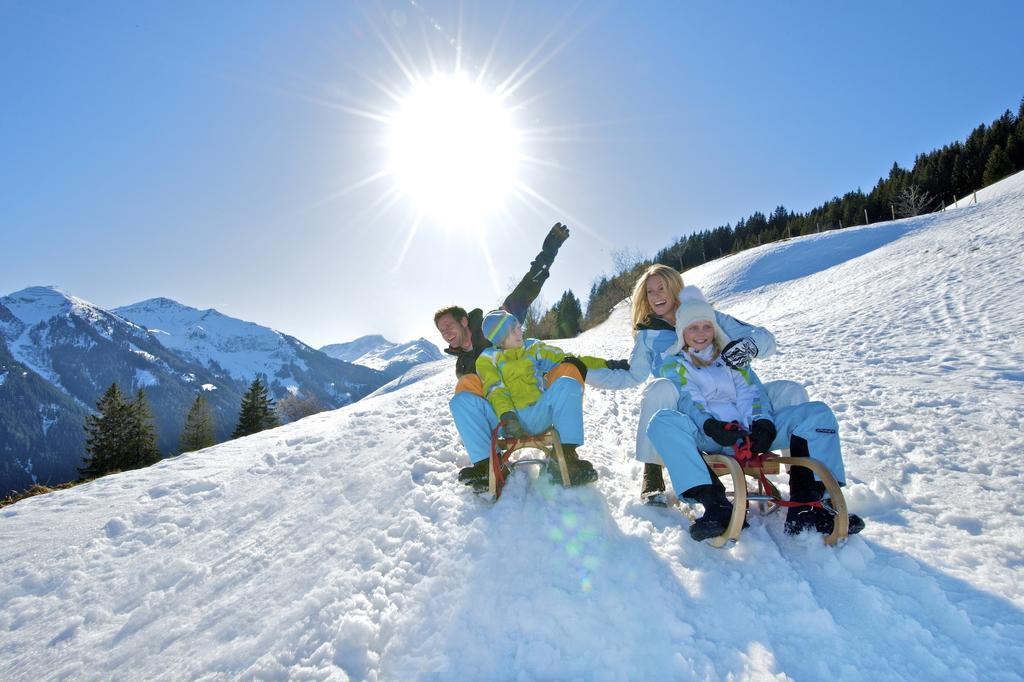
x=655 y=302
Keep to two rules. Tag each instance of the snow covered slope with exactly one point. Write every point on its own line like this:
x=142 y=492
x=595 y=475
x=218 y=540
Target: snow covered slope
x=376 y=352
x=342 y=547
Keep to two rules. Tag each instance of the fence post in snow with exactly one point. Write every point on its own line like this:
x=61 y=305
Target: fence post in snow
x=893 y=209
x=975 y=197
x=840 y=223
x=866 y=221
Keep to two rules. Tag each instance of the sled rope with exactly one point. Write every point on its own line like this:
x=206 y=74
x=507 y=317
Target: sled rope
x=743 y=451
x=498 y=459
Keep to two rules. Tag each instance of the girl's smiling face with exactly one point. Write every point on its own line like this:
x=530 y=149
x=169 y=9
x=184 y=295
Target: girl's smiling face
x=699 y=335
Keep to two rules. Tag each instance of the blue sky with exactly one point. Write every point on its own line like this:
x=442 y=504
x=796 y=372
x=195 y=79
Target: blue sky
x=219 y=153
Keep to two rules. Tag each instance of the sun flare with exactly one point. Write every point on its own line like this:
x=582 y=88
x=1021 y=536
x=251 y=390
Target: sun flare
x=454 y=150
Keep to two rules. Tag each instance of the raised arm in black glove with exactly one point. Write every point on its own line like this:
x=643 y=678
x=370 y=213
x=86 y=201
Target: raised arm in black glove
x=617 y=364
x=738 y=354
x=513 y=427
x=762 y=433
x=724 y=433
x=558 y=234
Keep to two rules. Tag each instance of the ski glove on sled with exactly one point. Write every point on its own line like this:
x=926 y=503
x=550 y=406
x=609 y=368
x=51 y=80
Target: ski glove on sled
x=723 y=433
x=617 y=364
x=762 y=433
x=738 y=354
x=513 y=427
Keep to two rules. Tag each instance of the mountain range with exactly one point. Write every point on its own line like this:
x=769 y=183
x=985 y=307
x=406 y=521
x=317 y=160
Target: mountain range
x=58 y=353
x=393 y=359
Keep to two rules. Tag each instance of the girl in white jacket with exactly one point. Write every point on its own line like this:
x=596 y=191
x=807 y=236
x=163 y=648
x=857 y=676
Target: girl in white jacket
x=719 y=405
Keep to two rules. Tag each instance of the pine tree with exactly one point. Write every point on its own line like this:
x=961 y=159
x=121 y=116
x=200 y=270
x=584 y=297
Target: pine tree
x=141 y=450
x=997 y=167
x=198 y=432
x=257 y=413
x=569 y=316
x=106 y=434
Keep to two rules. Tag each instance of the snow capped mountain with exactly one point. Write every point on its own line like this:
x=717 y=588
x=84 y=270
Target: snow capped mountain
x=59 y=353
x=393 y=359
x=245 y=349
x=343 y=547
x=353 y=350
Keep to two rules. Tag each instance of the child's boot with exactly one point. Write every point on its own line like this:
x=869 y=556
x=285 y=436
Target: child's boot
x=717 y=511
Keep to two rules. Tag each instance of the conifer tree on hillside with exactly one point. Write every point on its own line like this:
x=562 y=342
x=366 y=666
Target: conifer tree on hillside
x=198 y=432
x=257 y=413
x=142 y=450
x=569 y=316
x=121 y=436
x=106 y=444
x=997 y=167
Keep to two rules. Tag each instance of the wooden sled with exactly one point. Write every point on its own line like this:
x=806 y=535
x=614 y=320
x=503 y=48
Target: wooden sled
x=723 y=465
x=548 y=442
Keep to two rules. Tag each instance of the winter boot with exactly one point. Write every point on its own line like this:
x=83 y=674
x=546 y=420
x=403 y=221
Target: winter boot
x=717 y=511
x=652 y=490
x=477 y=476
x=803 y=488
x=581 y=472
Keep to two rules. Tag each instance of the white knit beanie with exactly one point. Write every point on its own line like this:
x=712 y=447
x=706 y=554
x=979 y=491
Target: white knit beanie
x=693 y=307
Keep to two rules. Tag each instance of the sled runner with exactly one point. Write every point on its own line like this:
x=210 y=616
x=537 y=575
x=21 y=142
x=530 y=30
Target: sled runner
x=501 y=451
x=767 y=496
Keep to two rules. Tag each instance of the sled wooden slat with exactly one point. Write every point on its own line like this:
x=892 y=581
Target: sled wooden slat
x=723 y=465
x=548 y=442
x=739 y=502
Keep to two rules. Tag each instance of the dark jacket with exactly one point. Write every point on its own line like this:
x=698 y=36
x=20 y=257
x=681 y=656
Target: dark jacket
x=517 y=303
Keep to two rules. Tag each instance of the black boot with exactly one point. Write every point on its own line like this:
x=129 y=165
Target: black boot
x=581 y=472
x=803 y=488
x=477 y=476
x=652 y=489
x=717 y=511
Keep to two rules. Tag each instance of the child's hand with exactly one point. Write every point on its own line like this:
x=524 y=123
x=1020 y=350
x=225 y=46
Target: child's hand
x=762 y=434
x=725 y=434
x=513 y=427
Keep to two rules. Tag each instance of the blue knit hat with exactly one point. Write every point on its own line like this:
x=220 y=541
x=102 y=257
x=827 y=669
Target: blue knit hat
x=497 y=324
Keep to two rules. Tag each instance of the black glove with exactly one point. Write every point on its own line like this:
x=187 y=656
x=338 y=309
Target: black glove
x=725 y=434
x=513 y=428
x=577 y=363
x=762 y=434
x=558 y=234
x=738 y=354
x=617 y=364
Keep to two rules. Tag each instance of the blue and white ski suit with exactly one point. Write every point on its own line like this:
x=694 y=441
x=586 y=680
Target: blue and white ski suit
x=726 y=394
x=652 y=340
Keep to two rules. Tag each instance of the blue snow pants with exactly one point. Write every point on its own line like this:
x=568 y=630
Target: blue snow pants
x=679 y=441
x=561 y=406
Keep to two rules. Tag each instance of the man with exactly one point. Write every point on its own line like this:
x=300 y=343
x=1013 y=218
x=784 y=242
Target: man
x=474 y=418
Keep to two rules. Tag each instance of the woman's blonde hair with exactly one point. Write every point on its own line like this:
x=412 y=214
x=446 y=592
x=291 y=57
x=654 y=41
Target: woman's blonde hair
x=642 y=311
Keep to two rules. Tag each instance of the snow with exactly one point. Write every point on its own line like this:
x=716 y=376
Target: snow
x=3 y=378
x=342 y=547
x=243 y=349
x=209 y=387
x=143 y=377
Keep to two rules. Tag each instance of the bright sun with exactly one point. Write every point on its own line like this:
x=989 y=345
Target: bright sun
x=454 y=150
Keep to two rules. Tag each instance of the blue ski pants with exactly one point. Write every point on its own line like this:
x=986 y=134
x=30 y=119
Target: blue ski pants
x=679 y=441
x=561 y=406
x=662 y=394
